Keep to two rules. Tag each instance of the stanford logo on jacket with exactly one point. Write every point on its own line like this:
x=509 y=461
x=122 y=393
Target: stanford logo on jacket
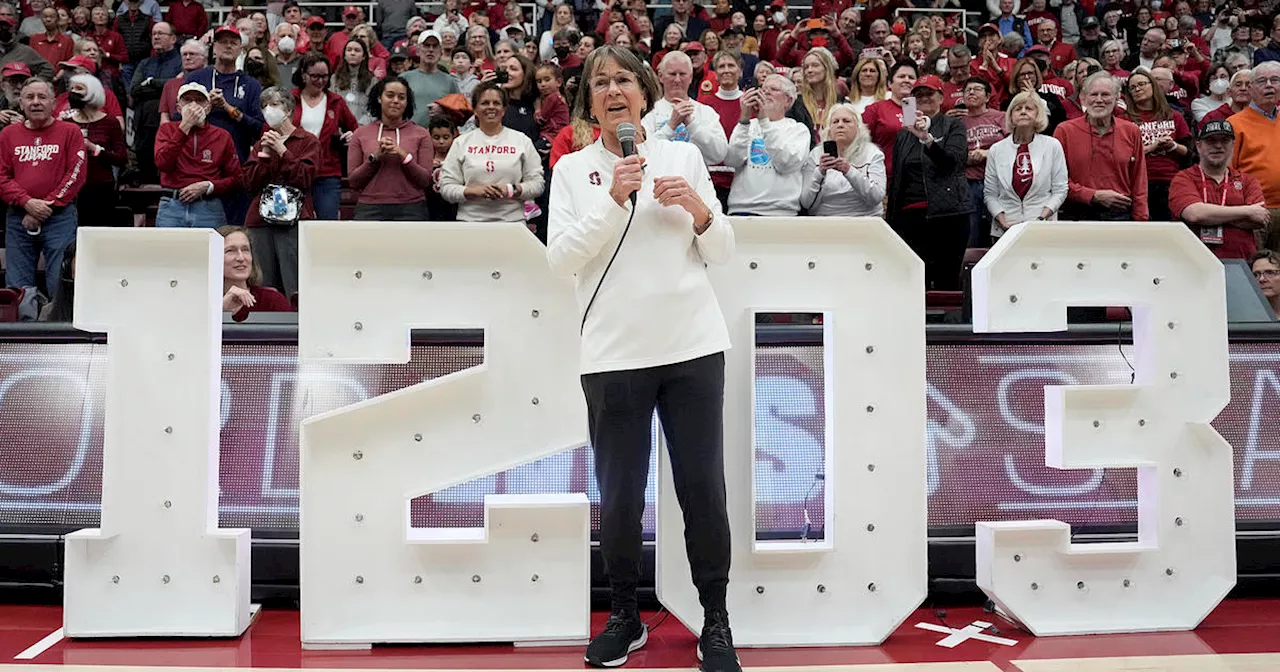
x=36 y=153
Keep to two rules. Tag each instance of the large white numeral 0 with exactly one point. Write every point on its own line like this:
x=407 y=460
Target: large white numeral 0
x=158 y=564
x=1184 y=561
x=870 y=571
x=366 y=575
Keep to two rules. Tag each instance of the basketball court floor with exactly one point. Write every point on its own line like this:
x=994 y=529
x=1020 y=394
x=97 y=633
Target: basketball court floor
x=1239 y=636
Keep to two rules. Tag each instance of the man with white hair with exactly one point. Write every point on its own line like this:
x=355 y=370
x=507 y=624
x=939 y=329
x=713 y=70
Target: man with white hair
x=768 y=151
x=1150 y=48
x=42 y=168
x=678 y=117
x=1106 y=164
x=1257 y=144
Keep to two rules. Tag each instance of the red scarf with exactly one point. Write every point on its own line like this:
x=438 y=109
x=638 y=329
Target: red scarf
x=1022 y=172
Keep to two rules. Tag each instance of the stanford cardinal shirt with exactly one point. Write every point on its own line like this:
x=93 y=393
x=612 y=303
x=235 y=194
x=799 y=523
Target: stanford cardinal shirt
x=46 y=163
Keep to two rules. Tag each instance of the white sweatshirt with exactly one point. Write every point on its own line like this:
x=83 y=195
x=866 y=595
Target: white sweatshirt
x=768 y=157
x=703 y=130
x=656 y=306
x=506 y=158
x=857 y=193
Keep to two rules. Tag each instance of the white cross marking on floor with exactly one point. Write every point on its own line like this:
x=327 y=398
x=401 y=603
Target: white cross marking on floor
x=41 y=646
x=973 y=631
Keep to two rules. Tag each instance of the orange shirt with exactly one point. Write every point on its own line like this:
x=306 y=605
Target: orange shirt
x=1256 y=142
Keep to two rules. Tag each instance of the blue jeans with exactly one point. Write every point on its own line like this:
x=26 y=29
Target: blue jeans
x=326 y=196
x=203 y=214
x=22 y=250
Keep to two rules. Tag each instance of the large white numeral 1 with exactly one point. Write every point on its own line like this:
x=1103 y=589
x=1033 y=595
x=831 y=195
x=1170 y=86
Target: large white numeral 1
x=870 y=571
x=1184 y=561
x=158 y=564
x=366 y=575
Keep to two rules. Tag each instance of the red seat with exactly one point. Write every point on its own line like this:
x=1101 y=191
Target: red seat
x=9 y=300
x=1117 y=314
x=941 y=300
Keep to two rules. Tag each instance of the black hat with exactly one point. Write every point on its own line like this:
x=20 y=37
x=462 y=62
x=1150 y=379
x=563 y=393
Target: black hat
x=1090 y=22
x=1217 y=127
x=399 y=51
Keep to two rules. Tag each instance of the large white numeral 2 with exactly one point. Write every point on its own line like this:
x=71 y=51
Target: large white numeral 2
x=158 y=564
x=366 y=575
x=1184 y=561
x=870 y=571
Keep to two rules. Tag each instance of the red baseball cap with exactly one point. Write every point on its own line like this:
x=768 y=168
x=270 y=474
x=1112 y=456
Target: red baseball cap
x=9 y=20
x=350 y=10
x=315 y=21
x=225 y=30
x=928 y=82
x=1038 y=49
x=989 y=27
x=693 y=46
x=82 y=62
x=15 y=69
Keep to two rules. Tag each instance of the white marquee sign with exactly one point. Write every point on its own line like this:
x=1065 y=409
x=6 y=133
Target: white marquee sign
x=160 y=566
x=1184 y=561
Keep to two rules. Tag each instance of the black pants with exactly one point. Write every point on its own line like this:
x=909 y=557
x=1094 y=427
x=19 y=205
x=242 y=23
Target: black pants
x=940 y=242
x=1158 y=202
x=690 y=401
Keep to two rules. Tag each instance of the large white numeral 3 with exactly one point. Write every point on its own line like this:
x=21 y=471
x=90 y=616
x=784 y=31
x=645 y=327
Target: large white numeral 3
x=1184 y=561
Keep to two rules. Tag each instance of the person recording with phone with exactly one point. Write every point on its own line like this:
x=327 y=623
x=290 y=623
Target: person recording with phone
x=767 y=152
x=929 y=201
x=636 y=224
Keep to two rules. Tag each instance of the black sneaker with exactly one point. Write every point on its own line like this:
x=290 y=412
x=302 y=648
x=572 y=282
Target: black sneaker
x=623 y=633
x=715 y=647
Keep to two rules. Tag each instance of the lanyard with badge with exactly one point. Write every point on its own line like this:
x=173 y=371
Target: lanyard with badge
x=1212 y=235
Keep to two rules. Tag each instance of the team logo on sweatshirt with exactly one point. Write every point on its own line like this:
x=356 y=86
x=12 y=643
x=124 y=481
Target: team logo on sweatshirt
x=35 y=154
x=206 y=156
x=594 y=178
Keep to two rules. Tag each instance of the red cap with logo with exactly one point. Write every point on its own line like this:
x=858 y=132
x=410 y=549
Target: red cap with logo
x=81 y=62
x=350 y=10
x=928 y=82
x=15 y=69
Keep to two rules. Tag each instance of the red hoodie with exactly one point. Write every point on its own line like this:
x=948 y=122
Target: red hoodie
x=338 y=119
x=207 y=153
x=389 y=180
x=46 y=163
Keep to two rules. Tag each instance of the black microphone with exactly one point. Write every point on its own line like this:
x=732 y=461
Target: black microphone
x=627 y=138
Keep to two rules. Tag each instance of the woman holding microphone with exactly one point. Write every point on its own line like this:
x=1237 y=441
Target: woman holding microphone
x=634 y=283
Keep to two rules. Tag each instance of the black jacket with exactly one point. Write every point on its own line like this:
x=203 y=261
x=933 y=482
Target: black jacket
x=944 y=163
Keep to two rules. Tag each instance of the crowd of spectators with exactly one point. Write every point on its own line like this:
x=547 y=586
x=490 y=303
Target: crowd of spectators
x=952 y=125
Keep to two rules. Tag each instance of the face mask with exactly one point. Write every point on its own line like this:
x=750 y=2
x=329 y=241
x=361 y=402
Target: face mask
x=1219 y=86
x=244 y=39
x=941 y=67
x=273 y=116
x=286 y=45
x=562 y=52
x=254 y=68
x=1155 y=5
x=780 y=18
x=6 y=34
x=76 y=101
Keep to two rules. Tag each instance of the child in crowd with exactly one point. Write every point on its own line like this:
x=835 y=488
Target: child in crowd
x=443 y=132
x=550 y=111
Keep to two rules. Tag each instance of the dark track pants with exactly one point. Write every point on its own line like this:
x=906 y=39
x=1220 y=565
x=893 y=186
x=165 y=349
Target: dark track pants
x=689 y=397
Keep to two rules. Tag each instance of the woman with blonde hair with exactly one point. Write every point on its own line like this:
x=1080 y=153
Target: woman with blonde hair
x=869 y=83
x=817 y=86
x=925 y=28
x=1166 y=138
x=1026 y=175
x=851 y=182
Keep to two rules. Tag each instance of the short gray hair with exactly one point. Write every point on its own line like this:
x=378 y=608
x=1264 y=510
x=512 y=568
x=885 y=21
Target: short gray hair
x=788 y=87
x=94 y=96
x=1101 y=76
x=276 y=95
x=1270 y=66
x=673 y=56
x=1036 y=102
x=195 y=44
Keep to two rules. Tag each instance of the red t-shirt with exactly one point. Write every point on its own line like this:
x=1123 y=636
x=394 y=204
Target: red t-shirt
x=1192 y=186
x=952 y=94
x=1162 y=167
x=884 y=119
x=983 y=131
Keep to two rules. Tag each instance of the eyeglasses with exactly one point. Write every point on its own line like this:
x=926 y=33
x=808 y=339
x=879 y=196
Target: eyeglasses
x=1268 y=273
x=625 y=83
x=1274 y=81
x=318 y=75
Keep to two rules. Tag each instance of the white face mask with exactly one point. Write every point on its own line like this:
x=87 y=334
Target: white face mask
x=1219 y=86
x=273 y=115
x=244 y=39
x=780 y=18
x=941 y=67
x=286 y=45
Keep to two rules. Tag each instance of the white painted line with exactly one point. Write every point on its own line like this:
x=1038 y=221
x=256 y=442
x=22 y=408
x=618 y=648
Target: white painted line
x=41 y=646
x=955 y=637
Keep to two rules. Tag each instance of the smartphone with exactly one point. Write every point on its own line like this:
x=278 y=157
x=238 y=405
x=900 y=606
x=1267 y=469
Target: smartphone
x=500 y=76
x=829 y=148
x=909 y=111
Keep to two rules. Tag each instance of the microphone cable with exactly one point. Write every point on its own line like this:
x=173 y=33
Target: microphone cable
x=582 y=327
